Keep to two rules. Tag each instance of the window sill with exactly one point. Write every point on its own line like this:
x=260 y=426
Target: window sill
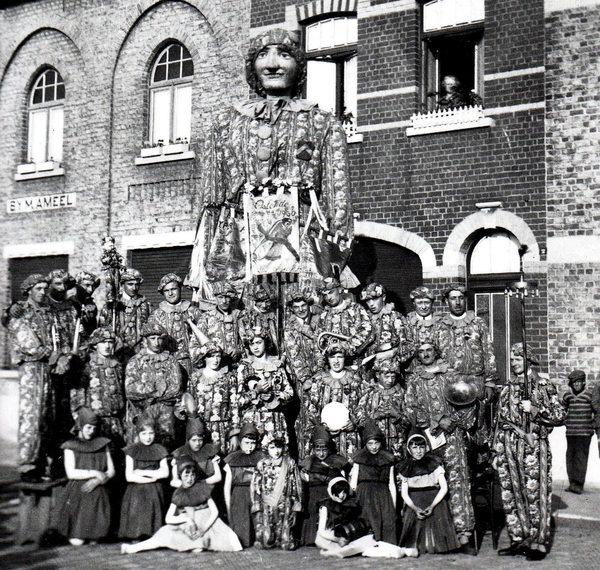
x=448 y=120
x=31 y=171
x=356 y=138
x=165 y=153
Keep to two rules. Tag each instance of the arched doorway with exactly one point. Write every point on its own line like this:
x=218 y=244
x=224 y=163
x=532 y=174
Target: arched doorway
x=397 y=268
x=492 y=263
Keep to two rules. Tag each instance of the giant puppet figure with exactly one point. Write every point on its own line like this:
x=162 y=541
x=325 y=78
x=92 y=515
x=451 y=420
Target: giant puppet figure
x=273 y=168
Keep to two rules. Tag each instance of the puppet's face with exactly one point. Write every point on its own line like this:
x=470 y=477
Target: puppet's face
x=277 y=70
x=417 y=449
x=147 y=435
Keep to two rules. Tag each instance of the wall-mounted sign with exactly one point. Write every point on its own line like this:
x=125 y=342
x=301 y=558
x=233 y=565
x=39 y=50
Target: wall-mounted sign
x=38 y=203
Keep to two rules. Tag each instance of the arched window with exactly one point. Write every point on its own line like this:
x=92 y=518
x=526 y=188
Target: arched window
x=46 y=118
x=493 y=262
x=171 y=96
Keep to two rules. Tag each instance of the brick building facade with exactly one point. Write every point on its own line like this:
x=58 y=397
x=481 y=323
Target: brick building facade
x=428 y=187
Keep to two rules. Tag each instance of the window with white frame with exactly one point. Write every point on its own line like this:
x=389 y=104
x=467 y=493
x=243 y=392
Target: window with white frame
x=330 y=46
x=46 y=118
x=171 y=96
x=452 y=46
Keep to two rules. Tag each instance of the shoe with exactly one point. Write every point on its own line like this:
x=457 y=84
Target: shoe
x=468 y=549
x=575 y=489
x=513 y=550
x=536 y=555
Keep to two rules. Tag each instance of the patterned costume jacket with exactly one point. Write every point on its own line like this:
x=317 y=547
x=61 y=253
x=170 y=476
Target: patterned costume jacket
x=153 y=385
x=221 y=328
x=173 y=318
x=349 y=319
x=385 y=407
x=101 y=389
x=31 y=348
x=300 y=348
x=267 y=409
x=389 y=326
x=275 y=507
x=525 y=472
x=292 y=140
x=465 y=344
x=132 y=313
x=422 y=329
x=216 y=396
x=425 y=407
x=322 y=389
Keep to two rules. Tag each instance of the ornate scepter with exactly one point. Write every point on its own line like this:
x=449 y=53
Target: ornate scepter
x=523 y=289
x=112 y=265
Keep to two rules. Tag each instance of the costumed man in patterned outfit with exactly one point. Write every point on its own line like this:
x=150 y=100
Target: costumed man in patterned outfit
x=390 y=328
x=153 y=385
x=261 y=314
x=524 y=459
x=220 y=325
x=130 y=313
x=345 y=317
x=465 y=343
x=427 y=406
x=32 y=351
x=64 y=322
x=101 y=387
x=277 y=136
x=422 y=320
x=83 y=301
x=173 y=314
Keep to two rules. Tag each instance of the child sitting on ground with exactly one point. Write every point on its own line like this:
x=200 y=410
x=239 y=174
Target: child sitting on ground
x=192 y=521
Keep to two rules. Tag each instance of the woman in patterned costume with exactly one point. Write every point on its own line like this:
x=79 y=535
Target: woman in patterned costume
x=524 y=459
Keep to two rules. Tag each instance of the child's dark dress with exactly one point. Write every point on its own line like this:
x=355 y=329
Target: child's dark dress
x=79 y=514
x=340 y=514
x=203 y=457
x=319 y=475
x=242 y=467
x=142 y=509
x=435 y=533
x=373 y=493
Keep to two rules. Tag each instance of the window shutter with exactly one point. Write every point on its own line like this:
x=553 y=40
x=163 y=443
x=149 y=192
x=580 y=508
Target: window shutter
x=321 y=83
x=183 y=112
x=38 y=128
x=55 y=134
x=161 y=115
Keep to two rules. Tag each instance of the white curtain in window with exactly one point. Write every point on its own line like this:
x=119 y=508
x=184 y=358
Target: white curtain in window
x=351 y=85
x=497 y=253
x=321 y=83
x=55 y=133
x=38 y=131
x=439 y=14
x=182 y=118
x=161 y=115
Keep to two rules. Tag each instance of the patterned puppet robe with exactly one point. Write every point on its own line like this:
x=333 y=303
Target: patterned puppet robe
x=215 y=393
x=31 y=348
x=425 y=407
x=287 y=139
x=276 y=494
x=131 y=314
x=221 y=328
x=466 y=345
x=525 y=472
x=153 y=385
x=266 y=411
x=101 y=388
x=173 y=318
x=391 y=327
x=385 y=407
x=319 y=391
